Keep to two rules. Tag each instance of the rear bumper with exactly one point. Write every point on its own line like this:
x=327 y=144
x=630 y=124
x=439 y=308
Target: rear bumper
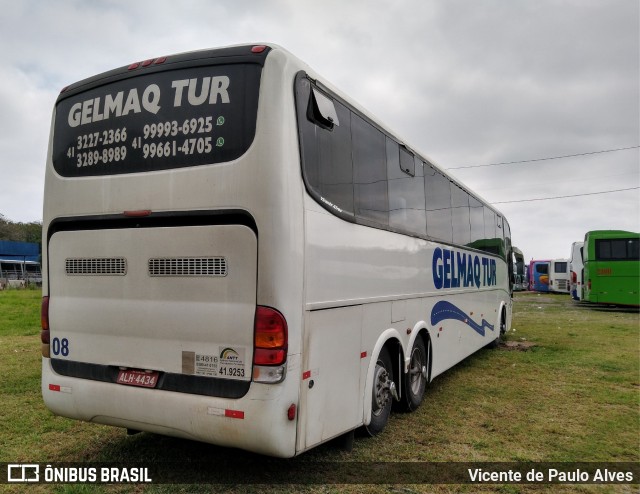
x=257 y=422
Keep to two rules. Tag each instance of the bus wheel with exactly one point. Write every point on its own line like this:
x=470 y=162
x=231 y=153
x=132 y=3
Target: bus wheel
x=415 y=380
x=382 y=396
x=503 y=329
x=503 y=322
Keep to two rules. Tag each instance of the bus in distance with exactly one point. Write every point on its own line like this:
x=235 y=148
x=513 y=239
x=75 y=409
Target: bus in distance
x=559 y=276
x=539 y=275
x=520 y=282
x=612 y=267
x=576 y=270
x=236 y=252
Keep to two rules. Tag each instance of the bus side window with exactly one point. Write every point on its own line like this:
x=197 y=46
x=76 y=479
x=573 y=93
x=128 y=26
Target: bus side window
x=321 y=110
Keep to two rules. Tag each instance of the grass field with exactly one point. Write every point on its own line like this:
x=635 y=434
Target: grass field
x=571 y=397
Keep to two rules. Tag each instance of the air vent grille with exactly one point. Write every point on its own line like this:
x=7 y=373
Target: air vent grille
x=100 y=266
x=188 y=266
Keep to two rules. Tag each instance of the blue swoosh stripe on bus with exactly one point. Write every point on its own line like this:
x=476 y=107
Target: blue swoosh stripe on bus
x=446 y=310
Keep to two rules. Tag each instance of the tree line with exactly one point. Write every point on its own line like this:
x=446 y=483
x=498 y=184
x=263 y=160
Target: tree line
x=20 y=232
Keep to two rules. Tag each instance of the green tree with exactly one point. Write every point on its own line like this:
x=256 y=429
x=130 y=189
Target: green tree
x=20 y=232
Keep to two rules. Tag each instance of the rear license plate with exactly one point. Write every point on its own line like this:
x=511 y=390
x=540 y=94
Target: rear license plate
x=132 y=377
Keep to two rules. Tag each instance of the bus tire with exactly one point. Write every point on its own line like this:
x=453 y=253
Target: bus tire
x=503 y=322
x=381 y=398
x=503 y=330
x=415 y=380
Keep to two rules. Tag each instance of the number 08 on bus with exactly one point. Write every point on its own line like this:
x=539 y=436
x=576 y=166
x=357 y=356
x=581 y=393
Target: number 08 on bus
x=236 y=252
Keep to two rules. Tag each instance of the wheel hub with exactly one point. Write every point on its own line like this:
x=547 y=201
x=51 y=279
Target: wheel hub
x=383 y=391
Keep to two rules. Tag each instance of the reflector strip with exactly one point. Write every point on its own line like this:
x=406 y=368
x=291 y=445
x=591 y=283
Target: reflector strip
x=59 y=389
x=137 y=214
x=234 y=414
x=363 y=354
x=306 y=375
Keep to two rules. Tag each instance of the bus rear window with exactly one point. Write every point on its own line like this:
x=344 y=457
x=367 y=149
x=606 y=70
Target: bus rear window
x=561 y=267
x=162 y=120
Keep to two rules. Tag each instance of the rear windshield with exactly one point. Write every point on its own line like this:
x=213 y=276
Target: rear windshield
x=561 y=267
x=542 y=268
x=622 y=249
x=162 y=120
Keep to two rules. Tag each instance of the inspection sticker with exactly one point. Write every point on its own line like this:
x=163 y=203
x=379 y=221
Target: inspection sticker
x=232 y=362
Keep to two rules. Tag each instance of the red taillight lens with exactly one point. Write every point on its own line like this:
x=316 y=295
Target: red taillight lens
x=589 y=284
x=269 y=357
x=44 y=313
x=44 y=320
x=270 y=339
x=574 y=277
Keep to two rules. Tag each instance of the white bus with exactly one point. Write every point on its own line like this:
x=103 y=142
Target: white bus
x=237 y=253
x=520 y=282
x=576 y=270
x=559 y=276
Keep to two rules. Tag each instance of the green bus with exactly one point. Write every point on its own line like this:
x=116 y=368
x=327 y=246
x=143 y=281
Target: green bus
x=612 y=267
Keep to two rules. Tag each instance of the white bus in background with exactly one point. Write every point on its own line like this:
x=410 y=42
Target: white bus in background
x=559 y=276
x=519 y=270
x=235 y=252
x=576 y=270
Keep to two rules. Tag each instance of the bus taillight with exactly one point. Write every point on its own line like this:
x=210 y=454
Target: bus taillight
x=44 y=322
x=270 y=340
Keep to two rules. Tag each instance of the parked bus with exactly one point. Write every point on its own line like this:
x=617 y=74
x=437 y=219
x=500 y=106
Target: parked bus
x=539 y=275
x=576 y=270
x=520 y=282
x=559 y=276
x=612 y=267
x=236 y=252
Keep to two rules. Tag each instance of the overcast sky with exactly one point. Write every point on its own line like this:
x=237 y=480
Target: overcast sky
x=465 y=82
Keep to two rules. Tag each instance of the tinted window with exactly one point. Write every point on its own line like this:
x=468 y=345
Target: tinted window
x=476 y=215
x=407 y=161
x=438 y=203
x=157 y=121
x=460 y=215
x=560 y=267
x=617 y=249
x=507 y=235
x=633 y=249
x=542 y=268
x=359 y=173
x=406 y=192
x=489 y=223
x=326 y=155
x=603 y=249
x=369 y=171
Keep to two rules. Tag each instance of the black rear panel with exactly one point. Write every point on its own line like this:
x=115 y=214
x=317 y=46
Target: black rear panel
x=189 y=110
